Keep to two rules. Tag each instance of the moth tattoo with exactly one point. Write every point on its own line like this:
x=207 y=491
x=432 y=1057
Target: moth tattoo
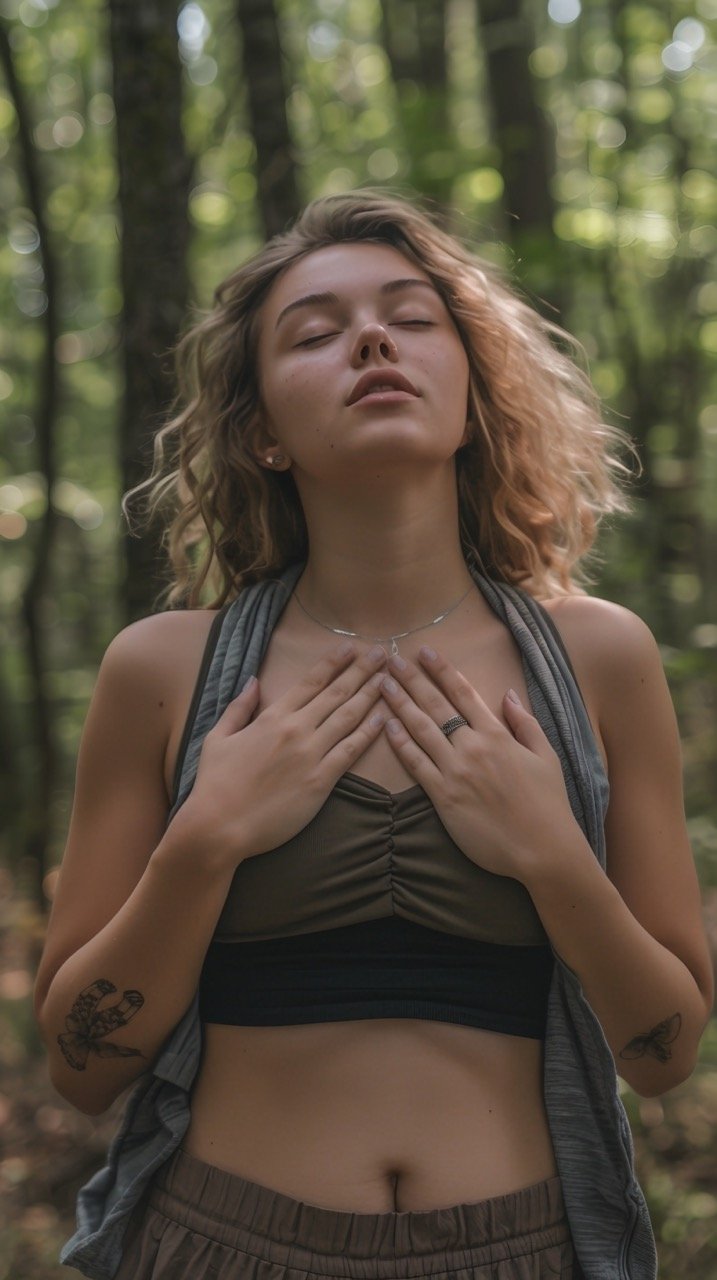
x=87 y=1025
x=655 y=1043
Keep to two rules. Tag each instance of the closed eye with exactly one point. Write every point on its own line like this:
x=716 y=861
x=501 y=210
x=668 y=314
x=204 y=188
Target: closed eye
x=319 y=337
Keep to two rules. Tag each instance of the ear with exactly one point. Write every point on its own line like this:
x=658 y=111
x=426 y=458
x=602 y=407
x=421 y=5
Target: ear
x=265 y=448
x=273 y=459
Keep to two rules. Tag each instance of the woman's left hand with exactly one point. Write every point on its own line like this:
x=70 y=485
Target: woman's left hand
x=499 y=791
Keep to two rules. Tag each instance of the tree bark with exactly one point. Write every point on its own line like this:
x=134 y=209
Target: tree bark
x=262 y=63
x=154 y=177
x=524 y=136
x=414 y=37
x=520 y=127
x=665 y=385
x=39 y=788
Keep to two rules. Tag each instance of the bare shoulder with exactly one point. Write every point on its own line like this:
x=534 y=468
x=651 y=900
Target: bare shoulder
x=615 y=655
x=154 y=662
x=589 y=612
x=604 y=637
x=160 y=639
x=157 y=654
x=122 y=787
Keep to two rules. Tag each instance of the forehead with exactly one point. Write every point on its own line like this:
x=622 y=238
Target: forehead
x=353 y=269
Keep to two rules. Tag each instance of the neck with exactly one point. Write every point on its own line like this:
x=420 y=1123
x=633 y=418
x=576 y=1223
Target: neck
x=382 y=567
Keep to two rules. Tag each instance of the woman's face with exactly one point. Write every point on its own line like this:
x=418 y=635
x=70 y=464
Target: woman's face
x=377 y=314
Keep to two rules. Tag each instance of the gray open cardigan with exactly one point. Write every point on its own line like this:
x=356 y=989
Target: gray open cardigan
x=606 y=1209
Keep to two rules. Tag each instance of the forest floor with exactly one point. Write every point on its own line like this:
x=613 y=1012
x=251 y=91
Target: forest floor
x=48 y=1149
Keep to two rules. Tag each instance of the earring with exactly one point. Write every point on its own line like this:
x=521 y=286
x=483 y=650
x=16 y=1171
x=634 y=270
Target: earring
x=278 y=457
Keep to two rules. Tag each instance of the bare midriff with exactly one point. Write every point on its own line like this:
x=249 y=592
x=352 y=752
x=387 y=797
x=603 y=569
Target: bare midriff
x=385 y=1114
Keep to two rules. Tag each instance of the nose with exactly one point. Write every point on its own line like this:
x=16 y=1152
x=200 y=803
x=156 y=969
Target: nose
x=374 y=340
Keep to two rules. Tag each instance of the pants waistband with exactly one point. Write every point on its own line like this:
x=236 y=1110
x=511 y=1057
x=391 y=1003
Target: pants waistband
x=230 y=1208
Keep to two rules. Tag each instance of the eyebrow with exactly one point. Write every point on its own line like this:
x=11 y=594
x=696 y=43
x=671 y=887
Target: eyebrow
x=315 y=299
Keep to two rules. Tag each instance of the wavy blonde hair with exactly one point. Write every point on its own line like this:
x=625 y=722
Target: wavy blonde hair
x=538 y=474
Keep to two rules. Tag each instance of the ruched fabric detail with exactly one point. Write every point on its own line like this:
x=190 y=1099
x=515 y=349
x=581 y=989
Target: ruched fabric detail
x=202 y=1223
x=370 y=853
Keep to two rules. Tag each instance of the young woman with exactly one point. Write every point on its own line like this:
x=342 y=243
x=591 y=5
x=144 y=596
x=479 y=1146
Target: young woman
x=421 y=942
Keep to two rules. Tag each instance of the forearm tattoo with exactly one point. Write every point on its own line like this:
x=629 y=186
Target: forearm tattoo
x=87 y=1026
x=655 y=1043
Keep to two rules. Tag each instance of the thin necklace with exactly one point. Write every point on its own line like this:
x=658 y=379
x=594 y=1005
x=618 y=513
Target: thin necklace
x=400 y=635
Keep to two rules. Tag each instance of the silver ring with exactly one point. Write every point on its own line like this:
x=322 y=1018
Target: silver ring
x=450 y=726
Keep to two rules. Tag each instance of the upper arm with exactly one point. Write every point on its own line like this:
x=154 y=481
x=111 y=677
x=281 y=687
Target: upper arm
x=649 y=859
x=120 y=804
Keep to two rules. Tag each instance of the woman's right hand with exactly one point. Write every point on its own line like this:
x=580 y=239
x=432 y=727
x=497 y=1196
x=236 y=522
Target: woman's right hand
x=259 y=783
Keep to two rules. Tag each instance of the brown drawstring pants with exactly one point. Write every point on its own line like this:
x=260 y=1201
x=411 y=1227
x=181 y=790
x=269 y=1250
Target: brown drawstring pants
x=201 y=1223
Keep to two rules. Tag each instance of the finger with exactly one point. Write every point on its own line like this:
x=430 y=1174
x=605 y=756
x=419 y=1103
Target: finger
x=459 y=691
x=524 y=726
x=343 y=688
x=329 y=666
x=421 y=727
x=418 y=764
x=330 y=682
x=350 y=748
x=237 y=714
x=425 y=692
x=345 y=718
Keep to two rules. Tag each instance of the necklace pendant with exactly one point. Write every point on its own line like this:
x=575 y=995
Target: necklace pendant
x=394 y=648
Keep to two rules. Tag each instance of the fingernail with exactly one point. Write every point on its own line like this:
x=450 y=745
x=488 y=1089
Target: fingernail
x=514 y=697
x=426 y=652
x=346 y=648
x=376 y=720
x=393 y=726
x=397 y=662
x=249 y=683
x=389 y=685
x=376 y=654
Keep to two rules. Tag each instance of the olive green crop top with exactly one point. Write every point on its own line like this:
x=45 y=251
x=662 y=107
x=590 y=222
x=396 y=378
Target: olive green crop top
x=369 y=853
x=371 y=911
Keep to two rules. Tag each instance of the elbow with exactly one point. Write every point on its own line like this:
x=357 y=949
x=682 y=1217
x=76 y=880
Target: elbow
x=79 y=1093
x=665 y=1062
x=84 y=1102
x=651 y=1081
x=74 y=1087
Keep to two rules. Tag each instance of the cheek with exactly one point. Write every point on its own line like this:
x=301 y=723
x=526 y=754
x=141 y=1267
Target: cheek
x=305 y=379
x=448 y=370
x=296 y=402
x=287 y=393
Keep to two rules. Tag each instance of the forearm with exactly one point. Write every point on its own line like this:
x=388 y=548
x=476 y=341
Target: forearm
x=152 y=953
x=634 y=984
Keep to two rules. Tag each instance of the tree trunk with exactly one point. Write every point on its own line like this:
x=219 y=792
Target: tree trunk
x=263 y=71
x=522 y=131
x=43 y=745
x=154 y=175
x=665 y=381
x=414 y=37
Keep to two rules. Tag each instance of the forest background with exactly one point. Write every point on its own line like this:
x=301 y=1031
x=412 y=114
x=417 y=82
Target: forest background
x=146 y=149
